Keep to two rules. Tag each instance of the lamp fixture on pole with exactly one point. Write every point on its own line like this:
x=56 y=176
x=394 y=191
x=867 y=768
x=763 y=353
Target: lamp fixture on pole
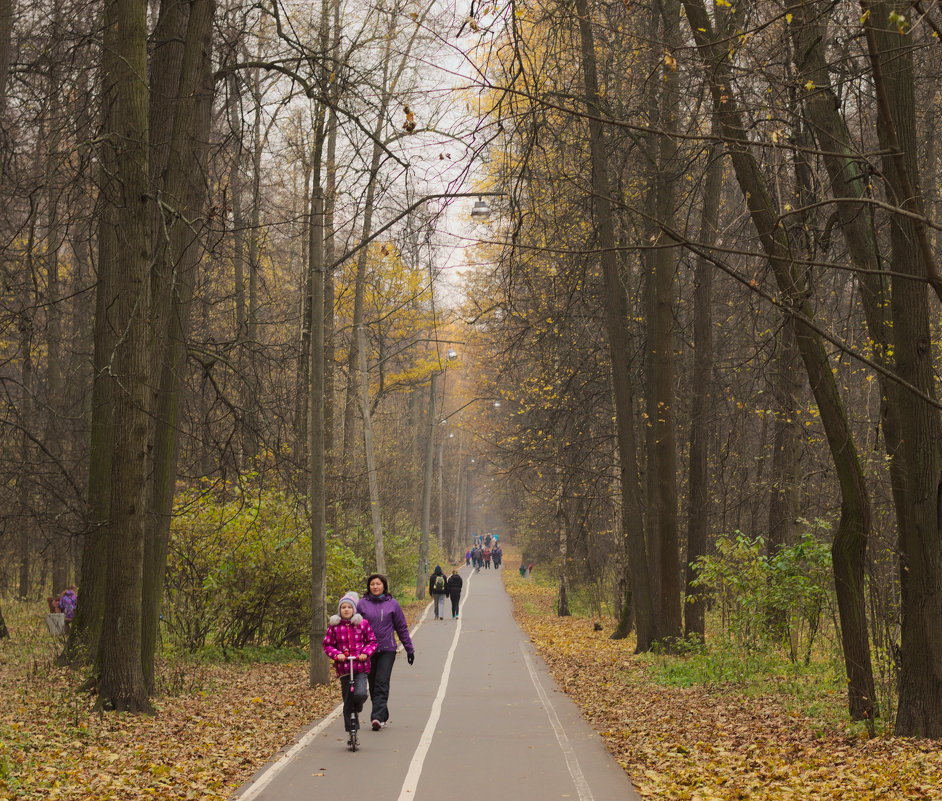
x=481 y=209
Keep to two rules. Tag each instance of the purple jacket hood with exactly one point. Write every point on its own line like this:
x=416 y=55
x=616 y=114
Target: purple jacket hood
x=387 y=619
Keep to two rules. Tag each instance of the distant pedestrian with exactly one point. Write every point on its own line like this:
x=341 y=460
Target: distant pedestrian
x=388 y=622
x=497 y=554
x=68 y=602
x=454 y=592
x=438 y=589
x=467 y=557
x=487 y=558
x=350 y=637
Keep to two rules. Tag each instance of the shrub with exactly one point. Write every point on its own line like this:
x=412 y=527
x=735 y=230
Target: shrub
x=783 y=595
x=239 y=571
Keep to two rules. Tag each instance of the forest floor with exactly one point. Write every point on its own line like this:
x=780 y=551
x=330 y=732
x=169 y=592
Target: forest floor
x=684 y=728
x=729 y=734
x=216 y=723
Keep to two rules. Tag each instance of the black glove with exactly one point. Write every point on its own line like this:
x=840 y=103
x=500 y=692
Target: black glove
x=411 y=657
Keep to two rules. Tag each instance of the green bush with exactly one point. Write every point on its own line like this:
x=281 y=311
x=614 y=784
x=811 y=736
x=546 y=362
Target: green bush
x=239 y=572
x=782 y=596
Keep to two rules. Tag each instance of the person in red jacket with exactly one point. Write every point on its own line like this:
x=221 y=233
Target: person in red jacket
x=350 y=637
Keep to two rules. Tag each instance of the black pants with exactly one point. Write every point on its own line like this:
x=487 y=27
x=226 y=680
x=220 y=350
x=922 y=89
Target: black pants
x=455 y=597
x=380 y=674
x=353 y=701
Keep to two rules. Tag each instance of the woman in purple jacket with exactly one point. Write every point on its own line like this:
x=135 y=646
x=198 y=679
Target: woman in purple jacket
x=388 y=620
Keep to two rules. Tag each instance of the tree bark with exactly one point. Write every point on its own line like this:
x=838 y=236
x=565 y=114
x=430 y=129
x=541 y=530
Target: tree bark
x=7 y=8
x=850 y=541
x=318 y=672
x=698 y=513
x=180 y=114
x=616 y=315
x=376 y=516
x=121 y=683
x=919 y=713
x=422 y=570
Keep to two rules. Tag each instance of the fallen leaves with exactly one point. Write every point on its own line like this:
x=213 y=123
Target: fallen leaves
x=695 y=744
x=202 y=744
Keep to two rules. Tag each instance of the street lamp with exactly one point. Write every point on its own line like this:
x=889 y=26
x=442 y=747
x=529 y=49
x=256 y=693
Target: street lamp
x=422 y=570
x=481 y=209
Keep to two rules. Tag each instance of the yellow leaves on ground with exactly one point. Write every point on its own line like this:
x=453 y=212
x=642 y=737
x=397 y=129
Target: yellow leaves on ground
x=205 y=741
x=694 y=744
x=201 y=745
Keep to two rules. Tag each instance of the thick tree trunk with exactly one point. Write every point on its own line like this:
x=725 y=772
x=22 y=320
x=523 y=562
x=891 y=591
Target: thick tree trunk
x=4 y=631
x=669 y=625
x=85 y=631
x=851 y=537
x=7 y=8
x=920 y=448
x=698 y=513
x=616 y=316
x=180 y=113
x=126 y=194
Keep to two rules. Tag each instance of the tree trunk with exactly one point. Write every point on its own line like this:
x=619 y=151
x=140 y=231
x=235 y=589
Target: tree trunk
x=698 y=514
x=422 y=571
x=180 y=113
x=919 y=713
x=7 y=8
x=318 y=672
x=616 y=315
x=376 y=516
x=4 y=631
x=25 y=413
x=669 y=624
x=786 y=443
x=126 y=194
x=849 y=547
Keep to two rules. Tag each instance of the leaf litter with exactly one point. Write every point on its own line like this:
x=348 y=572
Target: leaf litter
x=714 y=744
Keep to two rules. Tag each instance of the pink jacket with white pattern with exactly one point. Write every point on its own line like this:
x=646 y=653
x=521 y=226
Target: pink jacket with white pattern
x=350 y=638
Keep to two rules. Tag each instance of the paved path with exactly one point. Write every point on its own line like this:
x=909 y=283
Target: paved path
x=476 y=718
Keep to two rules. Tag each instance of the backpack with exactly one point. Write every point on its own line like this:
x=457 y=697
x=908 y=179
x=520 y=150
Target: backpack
x=439 y=583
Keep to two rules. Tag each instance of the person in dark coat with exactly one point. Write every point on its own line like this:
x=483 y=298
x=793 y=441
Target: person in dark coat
x=438 y=589
x=454 y=592
x=388 y=621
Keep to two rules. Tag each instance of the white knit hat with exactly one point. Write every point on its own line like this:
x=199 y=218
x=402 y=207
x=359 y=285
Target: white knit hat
x=350 y=598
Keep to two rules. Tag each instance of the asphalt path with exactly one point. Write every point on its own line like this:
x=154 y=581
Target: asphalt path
x=477 y=717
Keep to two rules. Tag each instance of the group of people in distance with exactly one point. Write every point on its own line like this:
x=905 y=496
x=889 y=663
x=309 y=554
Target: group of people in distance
x=479 y=557
x=363 y=632
x=484 y=549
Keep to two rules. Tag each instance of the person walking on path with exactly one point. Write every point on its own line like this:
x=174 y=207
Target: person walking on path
x=487 y=558
x=454 y=592
x=438 y=589
x=498 y=556
x=388 y=621
x=350 y=637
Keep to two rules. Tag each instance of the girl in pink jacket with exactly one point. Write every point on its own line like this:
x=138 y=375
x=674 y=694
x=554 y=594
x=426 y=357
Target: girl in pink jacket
x=350 y=638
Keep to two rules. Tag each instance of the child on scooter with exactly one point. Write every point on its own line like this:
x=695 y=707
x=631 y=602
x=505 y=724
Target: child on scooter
x=350 y=637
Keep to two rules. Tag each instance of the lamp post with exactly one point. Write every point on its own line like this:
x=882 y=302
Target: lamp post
x=422 y=569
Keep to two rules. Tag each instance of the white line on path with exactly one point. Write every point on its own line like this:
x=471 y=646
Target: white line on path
x=425 y=741
x=578 y=778
x=281 y=763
